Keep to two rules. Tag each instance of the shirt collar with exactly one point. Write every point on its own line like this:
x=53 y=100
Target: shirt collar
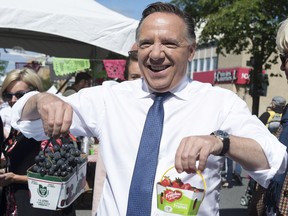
x=181 y=90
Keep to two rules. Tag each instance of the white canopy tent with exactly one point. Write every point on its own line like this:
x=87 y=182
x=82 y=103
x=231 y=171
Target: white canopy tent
x=65 y=28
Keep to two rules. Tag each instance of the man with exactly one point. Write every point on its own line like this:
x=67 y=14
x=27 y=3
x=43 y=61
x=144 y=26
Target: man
x=272 y=117
x=115 y=113
x=82 y=80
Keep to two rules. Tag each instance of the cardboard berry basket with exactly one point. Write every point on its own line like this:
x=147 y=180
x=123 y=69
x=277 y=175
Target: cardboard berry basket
x=177 y=197
x=53 y=192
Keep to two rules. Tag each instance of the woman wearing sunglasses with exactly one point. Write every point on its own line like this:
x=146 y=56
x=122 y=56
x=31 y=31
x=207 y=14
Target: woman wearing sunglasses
x=20 y=152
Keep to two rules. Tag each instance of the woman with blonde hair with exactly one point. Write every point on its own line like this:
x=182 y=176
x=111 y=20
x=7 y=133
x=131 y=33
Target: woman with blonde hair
x=20 y=152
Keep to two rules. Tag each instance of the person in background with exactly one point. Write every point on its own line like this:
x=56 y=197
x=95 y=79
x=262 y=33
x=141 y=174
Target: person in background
x=232 y=172
x=3 y=131
x=1 y=141
x=20 y=152
x=132 y=72
x=201 y=125
x=82 y=80
x=5 y=113
x=272 y=117
x=274 y=199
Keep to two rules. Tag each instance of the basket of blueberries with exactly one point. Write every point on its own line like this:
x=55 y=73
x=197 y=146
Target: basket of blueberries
x=58 y=176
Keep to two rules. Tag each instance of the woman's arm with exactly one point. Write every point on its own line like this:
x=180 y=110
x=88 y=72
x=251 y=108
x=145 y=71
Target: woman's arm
x=9 y=178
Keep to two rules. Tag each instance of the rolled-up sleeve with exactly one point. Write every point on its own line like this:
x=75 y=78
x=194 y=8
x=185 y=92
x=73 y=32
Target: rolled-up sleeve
x=240 y=122
x=28 y=128
x=263 y=177
x=276 y=155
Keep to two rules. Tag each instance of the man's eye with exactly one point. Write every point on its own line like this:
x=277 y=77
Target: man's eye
x=171 y=45
x=145 y=45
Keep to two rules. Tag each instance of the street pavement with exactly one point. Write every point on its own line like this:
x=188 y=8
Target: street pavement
x=230 y=201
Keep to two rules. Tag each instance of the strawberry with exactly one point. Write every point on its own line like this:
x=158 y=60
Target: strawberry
x=186 y=186
x=177 y=183
x=165 y=181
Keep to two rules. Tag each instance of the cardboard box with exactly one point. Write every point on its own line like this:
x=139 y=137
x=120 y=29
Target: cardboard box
x=177 y=200
x=52 y=192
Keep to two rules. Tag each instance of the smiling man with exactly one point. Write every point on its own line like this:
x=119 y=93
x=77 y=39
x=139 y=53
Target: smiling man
x=201 y=123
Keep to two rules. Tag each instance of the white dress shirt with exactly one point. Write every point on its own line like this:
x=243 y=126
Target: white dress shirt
x=115 y=113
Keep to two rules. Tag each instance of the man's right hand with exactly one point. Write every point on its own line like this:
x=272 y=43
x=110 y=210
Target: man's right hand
x=54 y=112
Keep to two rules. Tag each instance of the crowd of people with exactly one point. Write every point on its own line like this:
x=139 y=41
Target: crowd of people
x=201 y=127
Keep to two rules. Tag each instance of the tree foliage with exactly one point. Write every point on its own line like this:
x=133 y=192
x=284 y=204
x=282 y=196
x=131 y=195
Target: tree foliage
x=240 y=25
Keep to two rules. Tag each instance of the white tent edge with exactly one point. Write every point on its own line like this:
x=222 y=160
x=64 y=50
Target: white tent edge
x=84 y=23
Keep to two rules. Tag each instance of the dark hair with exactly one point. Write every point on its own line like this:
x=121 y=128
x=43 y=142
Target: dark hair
x=169 y=8
x=82 y=76
x=132 y=57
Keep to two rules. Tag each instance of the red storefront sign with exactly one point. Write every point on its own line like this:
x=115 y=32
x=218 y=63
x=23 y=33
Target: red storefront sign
x=243 y=75
x=227 y=75
x=206 y=77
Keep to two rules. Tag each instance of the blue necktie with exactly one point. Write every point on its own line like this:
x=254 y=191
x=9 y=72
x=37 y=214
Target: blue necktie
x=141 y=188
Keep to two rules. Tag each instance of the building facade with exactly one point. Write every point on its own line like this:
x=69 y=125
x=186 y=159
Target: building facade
x=232 y=72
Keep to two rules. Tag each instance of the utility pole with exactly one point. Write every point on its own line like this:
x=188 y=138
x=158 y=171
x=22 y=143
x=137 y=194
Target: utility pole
x=258 y=85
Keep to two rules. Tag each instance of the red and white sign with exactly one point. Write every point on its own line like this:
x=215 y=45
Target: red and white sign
x=239 y=75
x=243 y=75
x=225 y=76
x=206 y=77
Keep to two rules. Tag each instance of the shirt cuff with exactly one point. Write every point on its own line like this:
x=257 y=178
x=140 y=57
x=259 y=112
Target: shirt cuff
x=263 y=177
x=28 y=128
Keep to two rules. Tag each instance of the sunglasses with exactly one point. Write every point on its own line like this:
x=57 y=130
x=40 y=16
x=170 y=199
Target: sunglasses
x=8 y=96
x=283 y=58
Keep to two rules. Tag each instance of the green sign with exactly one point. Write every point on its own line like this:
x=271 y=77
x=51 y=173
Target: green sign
x=64 y=66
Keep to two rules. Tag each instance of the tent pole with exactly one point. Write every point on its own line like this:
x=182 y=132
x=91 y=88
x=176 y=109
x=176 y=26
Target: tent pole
x=66 y=81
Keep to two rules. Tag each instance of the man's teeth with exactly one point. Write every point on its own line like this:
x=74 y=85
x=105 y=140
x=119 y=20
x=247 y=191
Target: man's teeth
x=158 y=68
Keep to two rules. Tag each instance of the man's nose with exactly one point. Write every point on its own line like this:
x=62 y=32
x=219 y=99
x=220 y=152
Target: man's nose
x=14 y=98
x=157 y=51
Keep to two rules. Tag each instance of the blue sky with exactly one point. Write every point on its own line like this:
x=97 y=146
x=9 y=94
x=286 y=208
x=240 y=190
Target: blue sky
x=129 y=8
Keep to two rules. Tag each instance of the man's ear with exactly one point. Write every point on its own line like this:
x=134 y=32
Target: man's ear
x=192 y=49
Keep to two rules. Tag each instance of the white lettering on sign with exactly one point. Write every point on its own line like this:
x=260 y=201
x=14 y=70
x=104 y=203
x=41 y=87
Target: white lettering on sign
x=245 y=76
x=225 y=76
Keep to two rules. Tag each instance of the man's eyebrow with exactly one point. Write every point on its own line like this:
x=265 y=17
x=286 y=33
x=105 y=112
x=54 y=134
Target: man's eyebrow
x=164 y=40
x=144 y=40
